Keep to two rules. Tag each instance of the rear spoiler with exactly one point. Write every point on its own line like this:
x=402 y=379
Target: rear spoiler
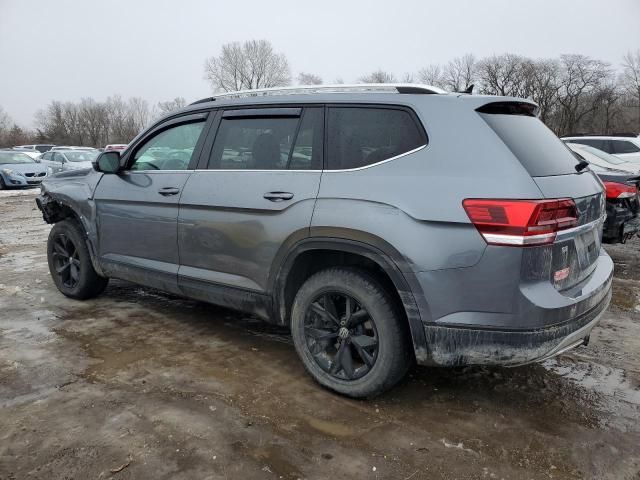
x=509 y=108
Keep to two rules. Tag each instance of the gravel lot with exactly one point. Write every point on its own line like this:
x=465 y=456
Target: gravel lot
x=140 y=384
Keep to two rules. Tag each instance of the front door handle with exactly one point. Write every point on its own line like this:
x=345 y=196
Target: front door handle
x=278 y=196
x=166 y=191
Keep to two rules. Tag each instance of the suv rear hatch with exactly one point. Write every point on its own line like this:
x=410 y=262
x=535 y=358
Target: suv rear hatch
x=572 y=257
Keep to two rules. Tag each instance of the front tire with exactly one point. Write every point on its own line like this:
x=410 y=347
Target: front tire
x=70 y=263
x=349 y=333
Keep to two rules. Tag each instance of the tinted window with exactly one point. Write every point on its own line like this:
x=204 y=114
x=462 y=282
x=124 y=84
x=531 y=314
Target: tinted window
x=269 y=143
x=537 y=148
x=171 y=149
x=47 y=156
x=363 y=136
x=57 y=157
x=623 y=146
x=595 y=143
x=14 y=158
x=307 y=150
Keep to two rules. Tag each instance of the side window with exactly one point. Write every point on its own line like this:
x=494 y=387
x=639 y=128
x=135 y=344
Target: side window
x=360 y=136
x=171 y=149
x=623 y=146
x=57 y=157
x=250 y=143
x=307 y=151
x=46 y=156
x=595 y=143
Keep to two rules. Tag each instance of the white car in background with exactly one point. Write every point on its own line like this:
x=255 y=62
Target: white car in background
x=39 y=147
x=603 y=159
x=64 y=160
x=626 y=147
x=34 y=154
x=61 y=147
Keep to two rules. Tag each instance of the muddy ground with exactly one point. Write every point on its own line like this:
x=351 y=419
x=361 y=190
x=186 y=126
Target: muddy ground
x=139 y=384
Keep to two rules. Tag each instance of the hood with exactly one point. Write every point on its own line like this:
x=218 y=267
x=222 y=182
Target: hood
x=24 y=167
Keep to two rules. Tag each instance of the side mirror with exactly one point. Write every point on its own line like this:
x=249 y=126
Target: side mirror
x=108 y=162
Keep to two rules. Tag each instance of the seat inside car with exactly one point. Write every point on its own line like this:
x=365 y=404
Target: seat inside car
x=266 y=152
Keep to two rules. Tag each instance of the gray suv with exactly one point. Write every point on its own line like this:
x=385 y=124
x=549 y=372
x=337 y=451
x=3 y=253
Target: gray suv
x=384 y=224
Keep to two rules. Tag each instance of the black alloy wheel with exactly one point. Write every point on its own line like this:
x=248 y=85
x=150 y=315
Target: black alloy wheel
x=341 y=336
x=66 y=261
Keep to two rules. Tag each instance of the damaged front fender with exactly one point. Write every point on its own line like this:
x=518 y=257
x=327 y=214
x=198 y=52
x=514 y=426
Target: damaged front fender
x=70 y=195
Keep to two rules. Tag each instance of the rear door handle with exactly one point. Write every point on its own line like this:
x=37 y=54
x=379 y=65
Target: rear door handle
x=166 y=191
x=278 y=196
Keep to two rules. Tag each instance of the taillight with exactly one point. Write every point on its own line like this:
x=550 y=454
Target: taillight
x=620 y=190
x=521 y=222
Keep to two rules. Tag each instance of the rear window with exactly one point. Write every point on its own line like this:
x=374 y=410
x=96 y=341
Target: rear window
x=361 y=136
x=593 y=142
x=540 y=152
x=623 y=146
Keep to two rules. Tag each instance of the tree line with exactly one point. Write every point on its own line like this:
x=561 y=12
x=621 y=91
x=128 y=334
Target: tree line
x=87 y=122
x=575 y=93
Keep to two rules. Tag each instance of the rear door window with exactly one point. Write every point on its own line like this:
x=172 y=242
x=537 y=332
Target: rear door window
x=361 y=136
x=269 y=142
x=593 y=142
x=623 y=146
x=537 y=148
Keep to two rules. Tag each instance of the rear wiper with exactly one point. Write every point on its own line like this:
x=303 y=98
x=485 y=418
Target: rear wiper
x=581 y=166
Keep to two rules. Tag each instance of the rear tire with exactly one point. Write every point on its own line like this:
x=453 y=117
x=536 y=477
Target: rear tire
x=70 y=263
x=2 y=184
x=349 y=333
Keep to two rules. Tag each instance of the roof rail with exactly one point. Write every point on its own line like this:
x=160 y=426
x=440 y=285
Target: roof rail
x=341 y=88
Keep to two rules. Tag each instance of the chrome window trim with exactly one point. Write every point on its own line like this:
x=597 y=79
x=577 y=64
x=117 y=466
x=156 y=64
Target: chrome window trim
x=417 y=149
x=298 y=170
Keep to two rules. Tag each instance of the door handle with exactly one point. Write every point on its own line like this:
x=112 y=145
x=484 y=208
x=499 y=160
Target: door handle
x=278 y=196
x=166 y=191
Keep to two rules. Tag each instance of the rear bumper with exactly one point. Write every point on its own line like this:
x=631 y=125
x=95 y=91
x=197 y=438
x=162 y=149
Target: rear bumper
x=529 y=334
x=457 y=346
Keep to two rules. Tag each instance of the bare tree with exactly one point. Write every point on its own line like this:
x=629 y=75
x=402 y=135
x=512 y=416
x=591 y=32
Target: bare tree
x=379 y=76
x=171 y=105
x=140 y=112
x=432 y=75
x=581 y=77
x=407 y=78
x=545 y=85
x=249 y=65
x=460 y=72
x=505 y=74
x=630 y=79
x=309 y=79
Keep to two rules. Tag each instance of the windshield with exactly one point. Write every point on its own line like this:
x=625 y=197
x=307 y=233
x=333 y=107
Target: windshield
x=603 y=155
x=14 y=158
x=81 y=156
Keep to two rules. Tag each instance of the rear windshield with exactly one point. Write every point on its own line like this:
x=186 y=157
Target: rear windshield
x=540 y=152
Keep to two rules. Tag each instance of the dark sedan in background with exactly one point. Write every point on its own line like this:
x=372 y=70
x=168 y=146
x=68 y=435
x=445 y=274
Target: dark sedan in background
x=19 y=170
x=623 y=207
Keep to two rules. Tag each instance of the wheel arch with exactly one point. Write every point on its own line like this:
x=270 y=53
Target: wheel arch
x=294 y=268
x=55 y=210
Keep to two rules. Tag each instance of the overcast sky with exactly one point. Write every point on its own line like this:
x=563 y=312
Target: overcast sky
x=68 y=49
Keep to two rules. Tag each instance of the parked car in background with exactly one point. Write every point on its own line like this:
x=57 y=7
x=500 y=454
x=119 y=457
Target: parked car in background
x=355 y=216
x=115 y=146
x=40 y=147
x=623 y=205
x=603 y=159
x=19 y=170
x=63 y=160
x=61 y=147
x=32 y=153
x=626 y=147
